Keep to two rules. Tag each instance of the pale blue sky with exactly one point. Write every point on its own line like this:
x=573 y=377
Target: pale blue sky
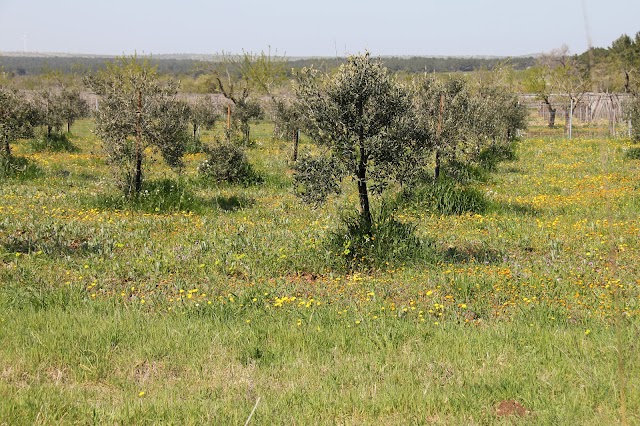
x=321 y=27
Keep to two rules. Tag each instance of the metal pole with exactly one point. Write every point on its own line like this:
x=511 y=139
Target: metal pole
x=571 y=118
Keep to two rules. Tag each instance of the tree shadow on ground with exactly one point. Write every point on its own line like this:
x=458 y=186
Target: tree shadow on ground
x=233 y=202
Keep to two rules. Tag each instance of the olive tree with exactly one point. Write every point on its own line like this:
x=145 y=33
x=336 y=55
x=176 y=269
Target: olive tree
x=202 y=113
x=240 y=78
x=538 y=81
x=288 y=122
x=50 y=108
x=16 y=119
x=450 y=118
x=504 y=116
x=356 y=114
x=74 y=107
x=137 y=111
x=562 y=74
x=626 y=55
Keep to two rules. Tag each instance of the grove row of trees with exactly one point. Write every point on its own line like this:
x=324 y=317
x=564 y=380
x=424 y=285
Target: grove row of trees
x=369 y=125
x=53 y=109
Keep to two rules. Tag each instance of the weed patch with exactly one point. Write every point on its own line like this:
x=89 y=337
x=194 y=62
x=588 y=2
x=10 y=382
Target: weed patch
x=161 y=196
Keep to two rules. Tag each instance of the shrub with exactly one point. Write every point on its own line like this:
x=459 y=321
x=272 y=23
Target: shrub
x=632 y=153
x=228 y=163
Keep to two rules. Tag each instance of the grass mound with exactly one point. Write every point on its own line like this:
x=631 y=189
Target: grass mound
x=160 y=196
x=387 y=242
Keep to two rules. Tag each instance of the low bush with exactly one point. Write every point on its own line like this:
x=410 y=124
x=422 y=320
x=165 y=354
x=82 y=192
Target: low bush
x=632 y=153
x=228 y=163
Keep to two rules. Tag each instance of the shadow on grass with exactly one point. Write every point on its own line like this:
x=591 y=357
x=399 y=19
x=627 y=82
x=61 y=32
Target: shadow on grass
x=19 y=168
x=53 y=143
x=56 y=239
x=233 y=203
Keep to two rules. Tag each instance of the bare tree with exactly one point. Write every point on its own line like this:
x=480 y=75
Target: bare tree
x=239 y=78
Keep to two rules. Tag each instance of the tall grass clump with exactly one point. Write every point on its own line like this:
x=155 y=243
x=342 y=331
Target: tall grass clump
x=447 y=197
x=385 y=242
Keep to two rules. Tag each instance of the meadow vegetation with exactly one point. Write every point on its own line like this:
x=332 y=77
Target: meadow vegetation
x=194 y=303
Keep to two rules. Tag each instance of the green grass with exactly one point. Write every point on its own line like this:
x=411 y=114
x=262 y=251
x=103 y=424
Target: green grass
x=206 y=307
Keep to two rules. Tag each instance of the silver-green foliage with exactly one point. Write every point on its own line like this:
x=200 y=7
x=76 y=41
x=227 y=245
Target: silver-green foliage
x=17 y=117
x=203 y=114
x=462 y=121
x=356 y=115
x=228 y=163
x=74 y=106
x=451 y=118
x=137 y=111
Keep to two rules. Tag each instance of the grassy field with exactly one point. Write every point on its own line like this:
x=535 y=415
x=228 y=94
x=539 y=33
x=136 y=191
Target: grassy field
x=198 y=312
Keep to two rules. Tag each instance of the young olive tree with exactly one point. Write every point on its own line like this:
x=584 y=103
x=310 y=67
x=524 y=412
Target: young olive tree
x=202 y=114
x=451 y=119
x=288 y=122
x=51 y=110
x=538 y=81
x=626 y=55
x=17 y=118
x=505 y=115
x=356 y=114
x=138 y=111
x=74 y=107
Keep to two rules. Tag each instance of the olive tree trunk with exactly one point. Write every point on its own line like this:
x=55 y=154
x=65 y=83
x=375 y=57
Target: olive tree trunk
x=138 y=171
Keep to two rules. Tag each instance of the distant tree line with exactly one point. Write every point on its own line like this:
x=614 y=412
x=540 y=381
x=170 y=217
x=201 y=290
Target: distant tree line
x=34 y=66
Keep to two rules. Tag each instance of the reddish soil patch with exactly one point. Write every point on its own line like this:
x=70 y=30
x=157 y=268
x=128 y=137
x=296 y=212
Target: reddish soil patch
x=511 y=408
